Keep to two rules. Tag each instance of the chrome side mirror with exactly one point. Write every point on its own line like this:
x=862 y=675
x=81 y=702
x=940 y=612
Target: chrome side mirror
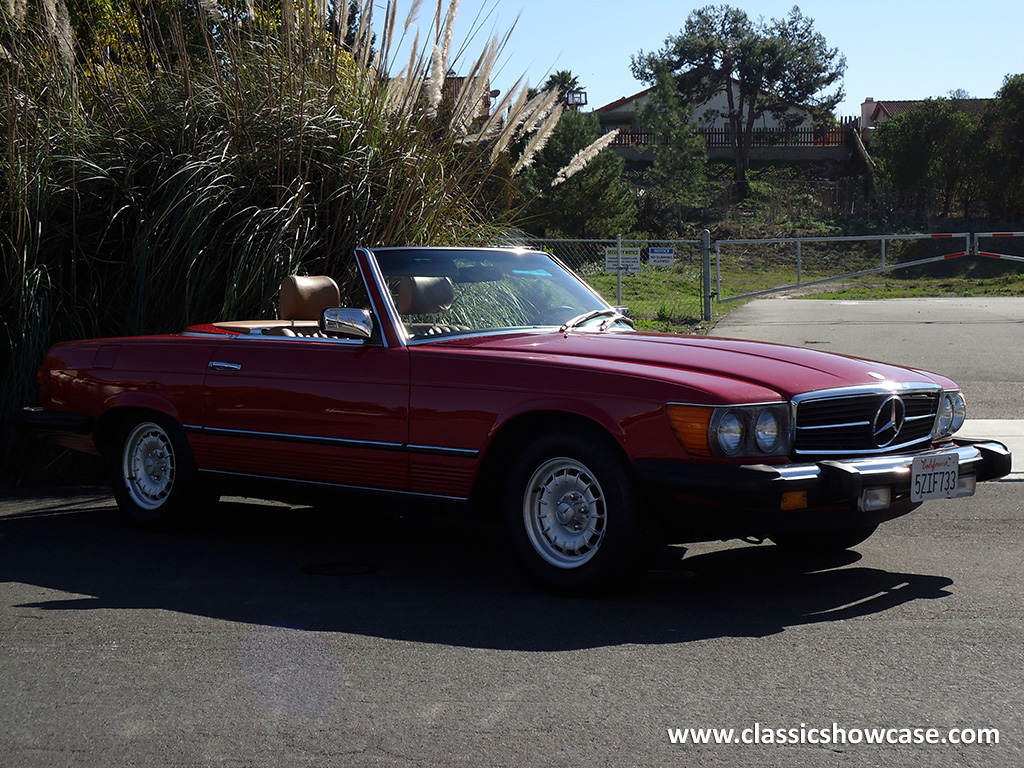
x=347 y=323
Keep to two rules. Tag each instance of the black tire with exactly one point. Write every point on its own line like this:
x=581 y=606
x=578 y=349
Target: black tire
x=155 y=481
x=570 y=510
x=835 y=540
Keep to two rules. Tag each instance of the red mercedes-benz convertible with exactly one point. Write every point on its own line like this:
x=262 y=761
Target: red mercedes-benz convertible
x=497 y=379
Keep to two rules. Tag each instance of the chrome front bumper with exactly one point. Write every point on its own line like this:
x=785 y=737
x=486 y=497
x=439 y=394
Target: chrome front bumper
x=826 y=483
x=982 y=460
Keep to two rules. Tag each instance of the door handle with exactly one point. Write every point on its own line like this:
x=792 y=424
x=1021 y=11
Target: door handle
x=219 y=366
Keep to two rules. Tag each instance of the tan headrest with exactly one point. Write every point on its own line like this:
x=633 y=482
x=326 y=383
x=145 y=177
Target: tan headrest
x=304 y=298
x=425 y=295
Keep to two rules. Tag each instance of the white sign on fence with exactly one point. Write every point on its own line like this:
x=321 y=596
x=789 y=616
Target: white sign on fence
x=661 y=257
x=630 y=259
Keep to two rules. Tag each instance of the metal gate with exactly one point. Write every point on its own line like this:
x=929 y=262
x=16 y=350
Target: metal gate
x=1000 y=236
x=799 y=247
x=964 y=243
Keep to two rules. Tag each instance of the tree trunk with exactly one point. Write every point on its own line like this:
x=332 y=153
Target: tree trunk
x=743 y=143
x=739 y=173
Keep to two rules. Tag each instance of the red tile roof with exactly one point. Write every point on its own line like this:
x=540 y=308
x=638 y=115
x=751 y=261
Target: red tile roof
x=623 y=101
x=887 y=109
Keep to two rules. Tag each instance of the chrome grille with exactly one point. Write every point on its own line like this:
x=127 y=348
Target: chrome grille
x=848 y=422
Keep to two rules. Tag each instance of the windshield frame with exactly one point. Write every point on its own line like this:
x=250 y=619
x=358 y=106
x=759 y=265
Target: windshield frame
x=437 y=263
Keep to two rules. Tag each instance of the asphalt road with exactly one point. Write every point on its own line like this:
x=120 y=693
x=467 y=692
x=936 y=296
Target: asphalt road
x=280 y=636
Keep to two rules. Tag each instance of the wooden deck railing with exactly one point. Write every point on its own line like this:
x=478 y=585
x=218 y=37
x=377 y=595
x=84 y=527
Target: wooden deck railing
x=724 y=137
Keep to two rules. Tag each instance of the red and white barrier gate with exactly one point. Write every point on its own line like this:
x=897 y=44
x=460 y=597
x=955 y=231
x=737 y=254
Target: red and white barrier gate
x=990 y=254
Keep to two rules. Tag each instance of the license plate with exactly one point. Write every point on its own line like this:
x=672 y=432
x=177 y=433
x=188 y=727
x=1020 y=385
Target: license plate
x=935 y=476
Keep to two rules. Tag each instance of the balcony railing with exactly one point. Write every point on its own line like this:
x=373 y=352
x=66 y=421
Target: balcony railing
x=725 y=137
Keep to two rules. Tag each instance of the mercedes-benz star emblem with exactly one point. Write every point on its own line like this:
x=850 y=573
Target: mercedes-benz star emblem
x=889 y=420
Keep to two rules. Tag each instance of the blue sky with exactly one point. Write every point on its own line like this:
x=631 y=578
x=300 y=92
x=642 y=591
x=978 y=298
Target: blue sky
x=895 y=49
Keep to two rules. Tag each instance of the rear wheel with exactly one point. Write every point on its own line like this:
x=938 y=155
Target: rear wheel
x=835 y=540
x=155 y=481
x=571 y=513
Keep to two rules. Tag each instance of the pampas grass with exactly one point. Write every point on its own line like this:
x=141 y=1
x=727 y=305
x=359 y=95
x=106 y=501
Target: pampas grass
x=175 y=168
x=540 y=138
x=584 y=156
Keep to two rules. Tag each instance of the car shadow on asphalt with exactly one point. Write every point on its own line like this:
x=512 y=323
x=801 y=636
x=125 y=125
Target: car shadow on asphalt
x=405 y=577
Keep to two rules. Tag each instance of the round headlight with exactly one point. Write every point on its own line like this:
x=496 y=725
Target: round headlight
x=959 y=412
x=945 y=415
x=730 y=433
x=767 y=432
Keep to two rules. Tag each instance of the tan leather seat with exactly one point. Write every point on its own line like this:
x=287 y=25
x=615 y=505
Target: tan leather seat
x=303 y=299
x=425 y=295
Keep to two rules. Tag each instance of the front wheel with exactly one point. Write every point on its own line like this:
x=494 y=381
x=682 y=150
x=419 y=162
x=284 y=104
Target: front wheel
x=571 y=513
x=154 y=476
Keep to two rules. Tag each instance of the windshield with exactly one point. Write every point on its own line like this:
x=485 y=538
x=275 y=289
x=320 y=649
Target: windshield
x=450 y=291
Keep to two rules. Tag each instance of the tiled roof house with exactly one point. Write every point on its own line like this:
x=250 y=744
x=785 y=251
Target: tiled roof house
x=622 y=113
x=773 y=141
x=874 y=112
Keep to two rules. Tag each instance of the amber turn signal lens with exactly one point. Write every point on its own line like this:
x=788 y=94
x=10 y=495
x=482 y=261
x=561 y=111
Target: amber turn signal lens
x=690 y=423
x=794 y=500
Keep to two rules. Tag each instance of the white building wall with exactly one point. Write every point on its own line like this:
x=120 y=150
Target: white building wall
x=710 y=115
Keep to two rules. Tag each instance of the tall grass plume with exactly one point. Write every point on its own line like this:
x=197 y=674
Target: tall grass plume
x=167 y=169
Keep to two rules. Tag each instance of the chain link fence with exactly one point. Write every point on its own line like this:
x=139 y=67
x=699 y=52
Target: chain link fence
x=665 y=286
x=660 y=281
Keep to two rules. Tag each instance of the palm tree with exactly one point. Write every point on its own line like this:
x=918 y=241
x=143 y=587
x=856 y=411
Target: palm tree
x=564 y=80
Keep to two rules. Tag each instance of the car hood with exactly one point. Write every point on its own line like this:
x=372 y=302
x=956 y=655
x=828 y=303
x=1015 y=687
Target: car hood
x=780 y=368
